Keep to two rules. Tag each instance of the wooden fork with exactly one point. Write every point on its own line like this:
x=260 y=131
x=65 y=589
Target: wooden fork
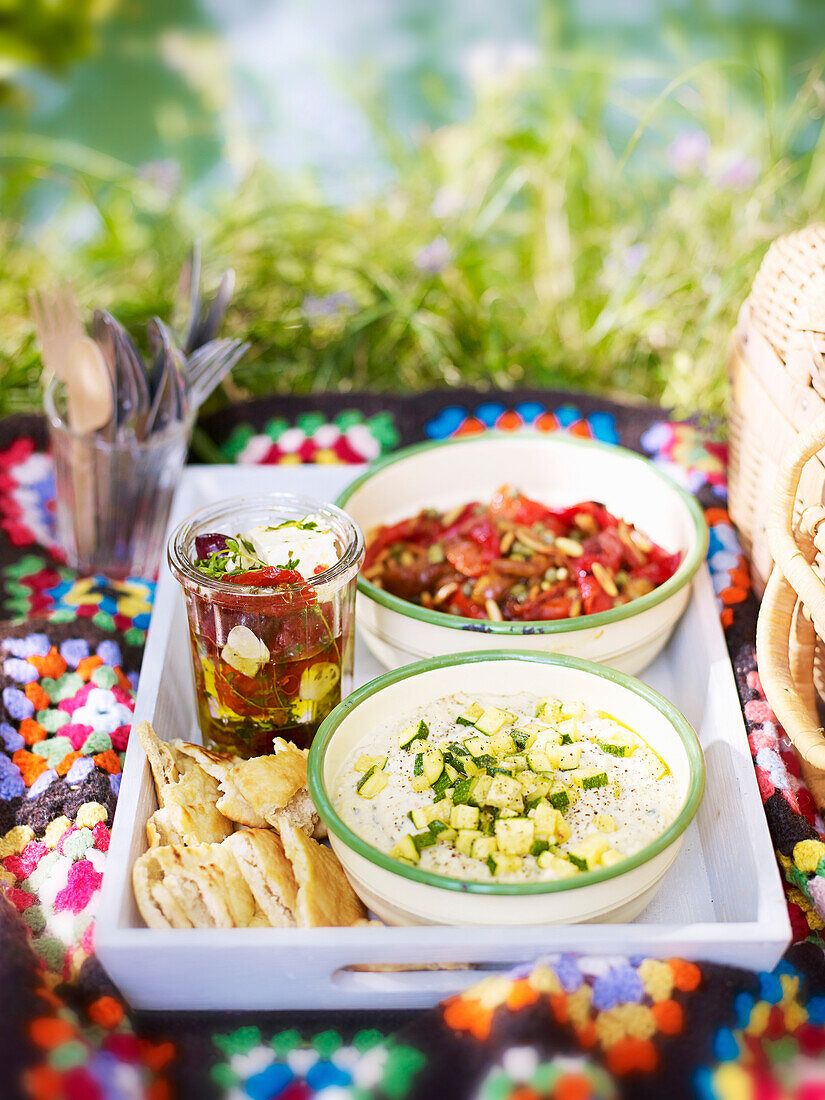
x=74 y=357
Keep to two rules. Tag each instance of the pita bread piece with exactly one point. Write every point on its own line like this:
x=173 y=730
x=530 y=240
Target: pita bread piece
x=274 y=787
x=162 y=756
x=187 y=796
x=260 y=857
x=325 y=897
x=231 y=802
x=192 y=887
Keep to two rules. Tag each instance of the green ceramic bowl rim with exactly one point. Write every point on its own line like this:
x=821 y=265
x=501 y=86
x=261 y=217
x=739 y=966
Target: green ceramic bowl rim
x=683 y=575
x=357 y=844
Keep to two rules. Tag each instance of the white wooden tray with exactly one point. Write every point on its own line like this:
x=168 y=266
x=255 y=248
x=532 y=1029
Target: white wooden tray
x=722 y=900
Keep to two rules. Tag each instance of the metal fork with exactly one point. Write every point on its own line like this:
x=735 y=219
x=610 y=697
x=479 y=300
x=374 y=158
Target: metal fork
x=210 y=364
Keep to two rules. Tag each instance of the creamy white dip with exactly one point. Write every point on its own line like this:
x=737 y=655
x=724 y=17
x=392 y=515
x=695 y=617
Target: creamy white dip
x=641 y=799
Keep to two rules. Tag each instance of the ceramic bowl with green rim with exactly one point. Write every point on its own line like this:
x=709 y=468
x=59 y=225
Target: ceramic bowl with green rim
x=401 y=893
x=558 y=470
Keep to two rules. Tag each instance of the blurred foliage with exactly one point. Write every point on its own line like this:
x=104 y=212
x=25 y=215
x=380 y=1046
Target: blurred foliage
x=517 y=247
x=47 y=35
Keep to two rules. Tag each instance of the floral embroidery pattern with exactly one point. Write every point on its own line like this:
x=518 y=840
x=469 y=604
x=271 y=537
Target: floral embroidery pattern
x=454 y=421
x=288 y=1068
x=776 y=1048
x=687 y=454
x=610 y=1005
x=27 y=496
x=349 y=438
x=35 y=586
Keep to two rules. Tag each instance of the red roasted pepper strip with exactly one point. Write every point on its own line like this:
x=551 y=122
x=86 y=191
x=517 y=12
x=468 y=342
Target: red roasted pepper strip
x=267 y=577
x=594 y=597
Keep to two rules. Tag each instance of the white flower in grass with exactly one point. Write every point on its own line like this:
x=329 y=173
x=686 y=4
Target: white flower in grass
x=688 y=153
x=433 y=257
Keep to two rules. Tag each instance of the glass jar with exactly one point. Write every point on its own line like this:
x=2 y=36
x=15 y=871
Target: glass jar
x=285 y=683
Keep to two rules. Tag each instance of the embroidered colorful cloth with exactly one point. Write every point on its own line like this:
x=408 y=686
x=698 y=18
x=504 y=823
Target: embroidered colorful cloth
x=569 y=1028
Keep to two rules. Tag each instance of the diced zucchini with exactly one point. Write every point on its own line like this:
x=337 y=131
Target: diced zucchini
x=590 y=778
x=572 y=710
x=578 y=861
x=501 y=743
x=548 y=708
x=504 y=792
x=605 y=823
x=569 y=730
x=486 y=761
x=483 y=846
x=617 y=744
x=461 y=794
x=479 y=789
x=591 y=850
x=502 y=815
x=470 y=766
x=405 y=849
x=418 y=745
x=364 y=762
x=441 y=809
x=374 y=781
x=504 y=863
x=421 y=818
x=418 y=764
x=515 y=835
x=433 y=764
x=559 y=798
x=517 y=763
x=549 y=822
x=423 y=730
x=464 y=817
x=520 y=737
x=470 y=714
x=455 y=762
x=419 y=782
x=563 y=868
x=487 y=822
x=492 y=720
x=407 y=735
x=441 y=785
x=540 y=731
x=437 y=826
x=464 y=840
x=450 y=772
x=539 y=761
x=424 y=840
x=569 y=757
x=539 y=846
x=458 y=748
x=611 y=857
x=475 y=746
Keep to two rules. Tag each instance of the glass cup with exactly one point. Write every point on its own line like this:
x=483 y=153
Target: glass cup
x=303 y=665
x=113 y=497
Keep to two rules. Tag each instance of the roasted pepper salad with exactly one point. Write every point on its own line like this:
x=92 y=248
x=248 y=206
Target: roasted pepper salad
x=521 y=788
x=515 y=559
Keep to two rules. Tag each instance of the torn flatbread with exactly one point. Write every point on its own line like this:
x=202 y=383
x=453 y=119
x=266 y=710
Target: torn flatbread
x=231 y=802
x=187 y=796
x=260 y=857
x=193 y=887
x=325 y=897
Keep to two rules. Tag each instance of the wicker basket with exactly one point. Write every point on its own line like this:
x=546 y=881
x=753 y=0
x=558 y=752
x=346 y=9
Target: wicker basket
x=777 y=372
x=777 y=479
